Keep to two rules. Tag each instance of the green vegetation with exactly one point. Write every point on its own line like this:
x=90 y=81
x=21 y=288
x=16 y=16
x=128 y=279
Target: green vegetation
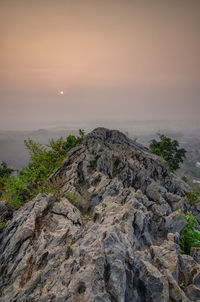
x=33 y=179
x=189 y=235
x=76 y=199
x=193 y=196
x=5 y=174
x=169 y=151
x=2 y=223
x=4 y=170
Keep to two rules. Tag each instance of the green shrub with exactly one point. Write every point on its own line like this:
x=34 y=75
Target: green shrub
x=5 y=174
x=184 y=178
x=44 y=159
x=169 y=151
x=16 y=191
x=193 y=197
x=4 y=170
x=189 y=235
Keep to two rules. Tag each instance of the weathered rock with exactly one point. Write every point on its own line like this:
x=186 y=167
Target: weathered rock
x=193 y=292
x=195 y=253
x=166 y=255
x=111 y=236
x=175 y=222
x=196 y=211
x=151 y=284
x=6 y=211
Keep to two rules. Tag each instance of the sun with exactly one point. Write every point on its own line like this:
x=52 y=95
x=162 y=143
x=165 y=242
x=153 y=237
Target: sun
x=61 y=92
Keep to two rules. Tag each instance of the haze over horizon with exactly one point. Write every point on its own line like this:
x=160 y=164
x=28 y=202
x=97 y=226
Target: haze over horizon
x=113 y=60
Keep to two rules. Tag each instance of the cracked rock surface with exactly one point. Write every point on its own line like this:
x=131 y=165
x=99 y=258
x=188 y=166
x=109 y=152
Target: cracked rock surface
x=112 y=235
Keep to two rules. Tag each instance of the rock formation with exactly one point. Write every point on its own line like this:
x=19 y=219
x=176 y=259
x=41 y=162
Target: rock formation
x=110 y=234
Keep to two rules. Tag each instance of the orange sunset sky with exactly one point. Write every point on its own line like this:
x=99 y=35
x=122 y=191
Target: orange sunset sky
x=113 y=59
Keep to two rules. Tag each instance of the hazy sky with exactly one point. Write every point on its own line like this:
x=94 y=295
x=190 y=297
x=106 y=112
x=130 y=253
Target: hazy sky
x=114 y=59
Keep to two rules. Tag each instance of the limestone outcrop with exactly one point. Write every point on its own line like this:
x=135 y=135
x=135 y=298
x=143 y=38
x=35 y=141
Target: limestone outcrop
x=110 y=234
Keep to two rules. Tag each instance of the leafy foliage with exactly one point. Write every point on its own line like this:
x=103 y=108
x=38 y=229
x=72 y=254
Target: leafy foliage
x=193 y=196
x=5 y=173
x=169 y=150
x=43 y=160
x=190 y=235
x=4 y=170
x=15 y=191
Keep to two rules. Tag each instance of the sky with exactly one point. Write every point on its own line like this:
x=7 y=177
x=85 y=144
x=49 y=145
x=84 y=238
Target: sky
x=113 y=60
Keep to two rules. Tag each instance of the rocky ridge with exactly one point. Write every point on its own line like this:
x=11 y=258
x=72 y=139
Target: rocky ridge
x=110 y=235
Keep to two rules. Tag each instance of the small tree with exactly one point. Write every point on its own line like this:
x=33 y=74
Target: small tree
x=169 y=151
x=189 y=235
x=4 y=170
x=5 y=174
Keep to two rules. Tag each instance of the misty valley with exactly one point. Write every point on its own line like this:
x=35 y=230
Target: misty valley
x=14 y=153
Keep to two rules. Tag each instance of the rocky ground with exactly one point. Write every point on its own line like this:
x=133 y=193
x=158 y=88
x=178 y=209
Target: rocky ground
x=110 y=235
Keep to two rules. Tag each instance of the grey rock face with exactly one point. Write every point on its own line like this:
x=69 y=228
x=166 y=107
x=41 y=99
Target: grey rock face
x=195 y=253
x=111 y=236
x=175 y=222
x=6 y=211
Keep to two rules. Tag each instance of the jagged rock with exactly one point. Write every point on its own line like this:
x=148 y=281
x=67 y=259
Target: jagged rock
x=6 y=211
x=195 y=253
x=196 y=211
x=193 y=292
x=175 y=222
x=166 y=255
x=111 y=236
x=151 y=284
